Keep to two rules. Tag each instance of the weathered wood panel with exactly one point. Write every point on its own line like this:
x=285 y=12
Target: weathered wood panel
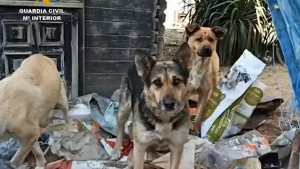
x=104 y=80
x=103 y=91
x=118 y=15
x=107 y=66
x=110 y=41
x=122 y=4
x=118 y=28
x=113 y=32
x=111 y=54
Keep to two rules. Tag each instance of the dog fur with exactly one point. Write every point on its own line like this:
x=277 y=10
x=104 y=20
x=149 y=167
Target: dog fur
x=26 y=99
x=156 y=93
x=203 y=64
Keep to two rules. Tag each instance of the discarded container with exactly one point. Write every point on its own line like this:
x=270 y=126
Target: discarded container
x=241 y=113
x=242 y=74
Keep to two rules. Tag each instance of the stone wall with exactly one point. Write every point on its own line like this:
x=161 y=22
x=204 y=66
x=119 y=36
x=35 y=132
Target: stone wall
x=173 y=39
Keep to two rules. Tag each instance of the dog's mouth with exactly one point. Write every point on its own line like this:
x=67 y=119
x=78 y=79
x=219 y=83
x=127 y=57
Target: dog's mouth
x=204 y=54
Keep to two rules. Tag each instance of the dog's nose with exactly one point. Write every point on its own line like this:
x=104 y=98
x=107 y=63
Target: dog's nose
x=169 y=103
x=206 y=49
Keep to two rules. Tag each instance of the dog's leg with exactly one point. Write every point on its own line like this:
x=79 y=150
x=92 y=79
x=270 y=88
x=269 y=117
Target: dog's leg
x=176 y=153
x=39 y=156
x=63 y=103
x=25 y=146
x=123 y=115
x=200 y=109
x=138 y=155
x=191 y=125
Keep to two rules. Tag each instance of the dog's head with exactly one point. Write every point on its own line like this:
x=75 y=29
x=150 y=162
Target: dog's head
x=203 y=40
x=165 y=82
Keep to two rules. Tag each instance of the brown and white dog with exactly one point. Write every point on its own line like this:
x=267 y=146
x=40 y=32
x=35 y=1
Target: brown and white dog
x=203 y=64
x=156 y=93
x=26 y=99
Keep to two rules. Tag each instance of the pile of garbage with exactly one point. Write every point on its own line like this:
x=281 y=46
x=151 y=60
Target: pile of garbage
x=228 y=137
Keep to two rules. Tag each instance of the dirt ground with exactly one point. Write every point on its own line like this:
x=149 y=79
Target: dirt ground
x=275 y=77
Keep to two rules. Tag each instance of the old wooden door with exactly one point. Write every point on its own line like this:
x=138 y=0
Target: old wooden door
x=21 y=38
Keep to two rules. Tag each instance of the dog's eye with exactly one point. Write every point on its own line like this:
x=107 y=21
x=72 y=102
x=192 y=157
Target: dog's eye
x=199 y=39
x=177 y=82
x=210 y=39
x=157 y=83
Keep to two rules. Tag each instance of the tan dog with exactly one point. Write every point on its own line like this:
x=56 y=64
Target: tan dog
x=26 y=99
x=156 y=93
x=204 y=63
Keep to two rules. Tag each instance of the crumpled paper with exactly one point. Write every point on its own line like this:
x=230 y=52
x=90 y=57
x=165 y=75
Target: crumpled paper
x=77 y=146
x=75 y=142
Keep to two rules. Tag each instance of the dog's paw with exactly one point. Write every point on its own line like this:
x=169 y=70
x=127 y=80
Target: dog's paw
x=115 y=154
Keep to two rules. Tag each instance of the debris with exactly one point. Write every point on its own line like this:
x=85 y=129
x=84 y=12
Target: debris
x=244 y=109
x=268 y=104
x=81 y=112
x=56 y=117
x=187 y=160
x=248 y=163
x=285 y=139
x=102 y=110
x=5 y=164
x=116 y=96
x=89 y=164
x=8 y=149
x=262 y=111
x=60 y=164
x=224 y=153
x=76 y=145
x=294 y=160
x=97 y=164
x=270 y=159
x=276 y=158
x=241 y=76
x=110 y=143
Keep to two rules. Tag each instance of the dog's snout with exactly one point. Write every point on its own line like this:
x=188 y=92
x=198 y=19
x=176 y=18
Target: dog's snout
x=169 y=103
x=206 y=49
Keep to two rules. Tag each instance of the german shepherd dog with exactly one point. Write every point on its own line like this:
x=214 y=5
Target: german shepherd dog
x=203 y=64
x=156 y=93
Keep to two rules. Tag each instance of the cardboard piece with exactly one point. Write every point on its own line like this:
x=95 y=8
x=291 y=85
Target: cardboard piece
x=187 y=160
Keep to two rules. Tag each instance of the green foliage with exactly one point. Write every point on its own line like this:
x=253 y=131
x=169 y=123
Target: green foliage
x=248 y=22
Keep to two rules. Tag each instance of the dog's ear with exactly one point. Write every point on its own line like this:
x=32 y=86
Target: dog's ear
x=183 y=54
x=190 y=29
x=143 y=63
x=219 y=32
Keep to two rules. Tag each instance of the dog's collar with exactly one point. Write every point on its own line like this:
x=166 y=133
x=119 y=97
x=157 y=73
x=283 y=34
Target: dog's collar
x=149 y=120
